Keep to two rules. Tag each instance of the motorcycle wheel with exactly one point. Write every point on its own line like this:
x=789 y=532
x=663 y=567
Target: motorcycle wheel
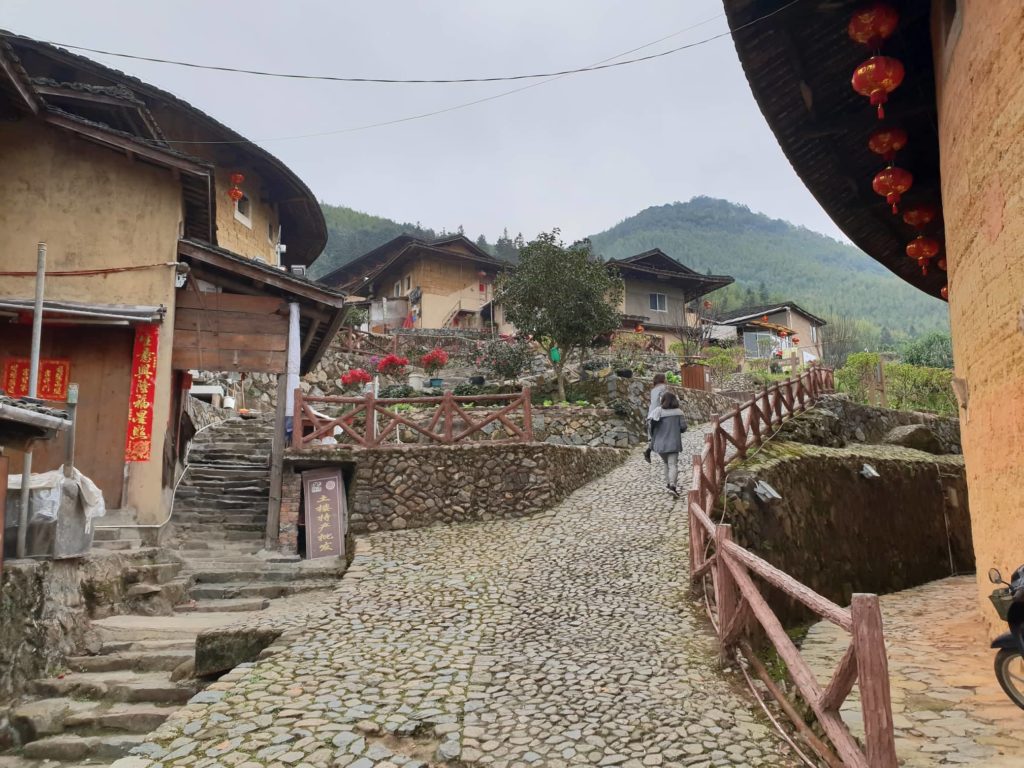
x=1010 y=674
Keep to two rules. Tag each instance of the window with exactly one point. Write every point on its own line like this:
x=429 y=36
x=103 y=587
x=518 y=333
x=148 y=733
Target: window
x=397 y=290
x=659 y=302
x=408 y=283
x=814 y=334
x=759 y=346
x=243 y=211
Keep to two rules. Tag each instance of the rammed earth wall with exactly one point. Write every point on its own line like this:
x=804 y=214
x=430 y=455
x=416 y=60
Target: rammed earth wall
x=418 y=486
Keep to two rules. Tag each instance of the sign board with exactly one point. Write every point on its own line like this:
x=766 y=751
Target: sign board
x=52 y=383
x=326 y=512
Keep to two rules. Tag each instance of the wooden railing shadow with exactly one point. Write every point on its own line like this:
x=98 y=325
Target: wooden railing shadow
x=735 y=572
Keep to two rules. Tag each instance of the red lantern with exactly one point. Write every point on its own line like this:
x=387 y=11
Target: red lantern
x=873 y=24
x=922 y=247
x=891 y=183
x=639 y=328
x=944 y=293
x=887 y=142
x=920 y=215
x=783 y=334
x=707 y=305
x=764 y=318
x=942 y=264
x=237 y=178
x=876 y=78
x=796 y=340
x=236 y=194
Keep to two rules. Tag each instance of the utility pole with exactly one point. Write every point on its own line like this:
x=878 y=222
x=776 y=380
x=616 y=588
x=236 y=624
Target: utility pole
x=33 y=377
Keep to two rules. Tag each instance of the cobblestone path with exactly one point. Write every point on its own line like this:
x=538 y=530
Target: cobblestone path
x=561 y=640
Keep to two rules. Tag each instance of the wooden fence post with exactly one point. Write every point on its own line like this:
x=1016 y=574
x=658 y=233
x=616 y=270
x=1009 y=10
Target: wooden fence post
x=371 y=419
x=446 y=405
x=727 y=594
x=696 y=535
x=873 y=680
x=527 y=415
x=297 y=414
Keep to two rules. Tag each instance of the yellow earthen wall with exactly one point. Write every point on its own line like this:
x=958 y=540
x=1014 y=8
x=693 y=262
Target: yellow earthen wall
x=95 y=209
x=233 y=234
x=980 y=80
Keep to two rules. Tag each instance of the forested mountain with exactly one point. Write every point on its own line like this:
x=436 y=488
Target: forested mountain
x=771 y=259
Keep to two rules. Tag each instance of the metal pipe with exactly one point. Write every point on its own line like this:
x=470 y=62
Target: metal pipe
x=87 y=313
x=33 y=376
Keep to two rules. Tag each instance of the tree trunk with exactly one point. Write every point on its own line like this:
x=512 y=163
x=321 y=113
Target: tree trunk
x=560 y=376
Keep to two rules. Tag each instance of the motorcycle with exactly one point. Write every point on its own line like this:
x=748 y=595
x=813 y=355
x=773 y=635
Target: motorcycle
x=1008 y=600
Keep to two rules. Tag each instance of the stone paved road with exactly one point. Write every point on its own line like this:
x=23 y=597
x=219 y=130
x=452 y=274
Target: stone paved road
x=562 y=640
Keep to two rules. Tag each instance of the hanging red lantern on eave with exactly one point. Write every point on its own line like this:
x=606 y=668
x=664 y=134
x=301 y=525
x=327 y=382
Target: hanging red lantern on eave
x=876 y=78
x=236 y=194
x=944 y=293
x=923 y=247
x=873 y=24
x=920 y=215
x=796 y=340
x=887 y=142
x=891 y=183
x=941 y=264
x=237 y=178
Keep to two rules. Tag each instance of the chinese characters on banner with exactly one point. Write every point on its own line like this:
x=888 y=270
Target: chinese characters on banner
x=52 y=383
x=326 y=513
x=140 y=402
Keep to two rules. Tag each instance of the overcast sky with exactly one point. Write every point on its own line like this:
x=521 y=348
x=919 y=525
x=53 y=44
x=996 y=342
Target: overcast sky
x=580 y=153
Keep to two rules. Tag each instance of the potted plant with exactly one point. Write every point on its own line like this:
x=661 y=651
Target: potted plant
x=355 y=379
x=432 y=362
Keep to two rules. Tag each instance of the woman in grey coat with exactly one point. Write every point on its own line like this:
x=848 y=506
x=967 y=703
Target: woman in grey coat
x=667 y=427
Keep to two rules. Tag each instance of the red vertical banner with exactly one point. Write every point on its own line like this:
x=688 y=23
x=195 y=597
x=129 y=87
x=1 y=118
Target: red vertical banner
x=140 y=404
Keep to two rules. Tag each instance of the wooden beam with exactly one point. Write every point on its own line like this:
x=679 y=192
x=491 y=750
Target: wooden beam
x=215 y=338
x=23 y=90
x=228 y=302
x=252 y=361
x=873 y=677
x=332 y=329
x=307 y=342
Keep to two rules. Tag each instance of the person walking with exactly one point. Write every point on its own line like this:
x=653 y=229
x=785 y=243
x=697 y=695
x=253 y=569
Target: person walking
x=658 y=388
x=667 y=426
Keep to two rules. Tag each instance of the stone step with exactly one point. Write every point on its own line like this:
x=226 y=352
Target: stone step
x=266 y=573
x=45 y=717
x=238 y=605
x=228 y=516
x=223 y=474
x=69 y=747
x=121 y=686
x=136 y=661
x=152 y=573
x=239 y=488
x=231 y=590
x=115 y=546
x=151 y=646
x=127 y=718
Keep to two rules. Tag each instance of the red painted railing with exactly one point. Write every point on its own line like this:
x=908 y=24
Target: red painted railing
x=734 y=572
x=370 y=422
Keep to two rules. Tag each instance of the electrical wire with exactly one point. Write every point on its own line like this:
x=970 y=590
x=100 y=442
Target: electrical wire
x=474 y=102
x=423 y=81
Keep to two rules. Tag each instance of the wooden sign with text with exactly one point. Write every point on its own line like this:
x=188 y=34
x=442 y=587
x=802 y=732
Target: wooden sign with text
x=326 y=513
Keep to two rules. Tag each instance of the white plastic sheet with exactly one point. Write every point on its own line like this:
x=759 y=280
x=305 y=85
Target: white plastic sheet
x=46 y=487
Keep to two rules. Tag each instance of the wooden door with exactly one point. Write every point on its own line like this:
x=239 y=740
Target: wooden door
x=101 y=362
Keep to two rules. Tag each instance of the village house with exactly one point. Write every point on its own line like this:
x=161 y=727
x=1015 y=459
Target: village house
x=959 y=215
x=173 y=245
x=659 y=293
x=409 y=283
x=781 y=331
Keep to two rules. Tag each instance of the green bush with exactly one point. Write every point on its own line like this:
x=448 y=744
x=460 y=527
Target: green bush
x=908 y=387
x=506 y=359
x=396 y=391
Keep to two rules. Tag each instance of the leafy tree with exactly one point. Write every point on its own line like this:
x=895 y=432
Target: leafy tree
x=482 y=243
x=561 y=295
x=506 y=248
x=762 y=293
x=934 y=350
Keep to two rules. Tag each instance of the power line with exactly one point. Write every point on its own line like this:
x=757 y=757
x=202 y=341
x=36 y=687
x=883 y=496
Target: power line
x=412 y=81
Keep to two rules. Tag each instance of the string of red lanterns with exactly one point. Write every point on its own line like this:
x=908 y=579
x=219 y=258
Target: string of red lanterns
x=876 y=78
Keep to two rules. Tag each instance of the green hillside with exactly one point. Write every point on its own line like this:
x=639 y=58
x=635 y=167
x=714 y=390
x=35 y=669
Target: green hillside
x=773 y=259
x=770 y=259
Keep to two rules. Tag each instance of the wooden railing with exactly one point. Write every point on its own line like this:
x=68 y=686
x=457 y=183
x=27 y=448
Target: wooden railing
x=737 y=596
x=360 y=342
x=370 y=422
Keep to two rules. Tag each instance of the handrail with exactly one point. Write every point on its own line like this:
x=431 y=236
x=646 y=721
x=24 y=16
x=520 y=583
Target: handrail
x=311 y=426
x=732 y=569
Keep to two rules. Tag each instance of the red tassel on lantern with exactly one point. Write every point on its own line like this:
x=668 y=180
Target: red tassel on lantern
x=873 y=24
x=920 y=215
x=876 y=78
x=891 y=183
x=887 y=142
x=236 y=194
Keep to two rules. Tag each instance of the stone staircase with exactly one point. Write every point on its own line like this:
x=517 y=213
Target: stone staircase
x=220 y=515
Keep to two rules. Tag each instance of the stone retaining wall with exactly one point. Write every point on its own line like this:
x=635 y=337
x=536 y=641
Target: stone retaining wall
x=839 y=532
x=417 y=486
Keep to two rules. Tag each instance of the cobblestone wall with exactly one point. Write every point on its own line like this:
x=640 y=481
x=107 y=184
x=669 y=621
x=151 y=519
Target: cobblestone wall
x=418 y=486
x=840 y=532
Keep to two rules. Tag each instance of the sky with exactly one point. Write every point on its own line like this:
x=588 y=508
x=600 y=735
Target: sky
x=580 y=153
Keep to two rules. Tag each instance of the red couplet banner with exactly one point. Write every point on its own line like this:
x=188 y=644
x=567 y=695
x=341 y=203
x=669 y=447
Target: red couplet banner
x=51 y=385
x=138 y=445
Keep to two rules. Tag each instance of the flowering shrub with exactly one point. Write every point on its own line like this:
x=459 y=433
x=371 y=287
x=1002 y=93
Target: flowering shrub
x=434 y=360
x=507 y=359
x=392 y=365
x=355 y=379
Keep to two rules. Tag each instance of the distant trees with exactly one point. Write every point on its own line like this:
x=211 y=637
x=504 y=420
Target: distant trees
x=508 y=248
x=563 y=296
x=934 y=350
